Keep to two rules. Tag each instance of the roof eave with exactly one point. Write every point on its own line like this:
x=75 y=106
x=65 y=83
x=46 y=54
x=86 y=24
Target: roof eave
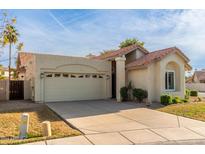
x=188 y=67
x=183 y=55
x=143 y=49
x=121 y=54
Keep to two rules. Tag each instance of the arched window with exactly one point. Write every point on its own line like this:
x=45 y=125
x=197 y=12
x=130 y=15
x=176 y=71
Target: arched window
x=172 y=76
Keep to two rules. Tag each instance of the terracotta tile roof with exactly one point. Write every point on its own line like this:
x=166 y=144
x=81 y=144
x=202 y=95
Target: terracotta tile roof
x=200 y=75
x=153 y=56
x=121 y=52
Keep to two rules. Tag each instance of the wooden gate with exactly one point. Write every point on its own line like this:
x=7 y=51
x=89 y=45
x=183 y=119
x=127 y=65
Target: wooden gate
x=3 y=90
x=16 y=90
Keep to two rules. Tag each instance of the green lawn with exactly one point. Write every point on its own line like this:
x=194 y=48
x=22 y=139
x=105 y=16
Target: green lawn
x=190 y=110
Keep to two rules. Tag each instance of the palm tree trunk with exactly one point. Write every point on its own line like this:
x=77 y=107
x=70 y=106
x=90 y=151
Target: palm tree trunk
x=9 y=65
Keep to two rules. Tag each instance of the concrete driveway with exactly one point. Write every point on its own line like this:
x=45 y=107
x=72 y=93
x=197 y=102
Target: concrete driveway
x=108 y=122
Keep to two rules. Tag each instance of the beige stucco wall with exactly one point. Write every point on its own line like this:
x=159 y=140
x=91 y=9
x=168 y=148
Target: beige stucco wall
x=29 y=62
x=27 y=90
x=64 y=64
x=180 y=74
x=30 y=68
x=152 y=78
x=138 y=78
x=144 y=79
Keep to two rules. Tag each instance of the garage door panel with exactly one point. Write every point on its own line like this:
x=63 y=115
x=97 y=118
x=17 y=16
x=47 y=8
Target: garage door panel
x=68 y=89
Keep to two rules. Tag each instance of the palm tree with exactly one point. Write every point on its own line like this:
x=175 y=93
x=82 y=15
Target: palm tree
x=10 y=36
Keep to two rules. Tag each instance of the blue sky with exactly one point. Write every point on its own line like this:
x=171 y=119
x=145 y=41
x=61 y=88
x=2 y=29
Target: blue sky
x=80 y=32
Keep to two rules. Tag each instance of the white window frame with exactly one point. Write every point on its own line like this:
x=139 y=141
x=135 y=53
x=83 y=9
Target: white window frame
x=169 y=71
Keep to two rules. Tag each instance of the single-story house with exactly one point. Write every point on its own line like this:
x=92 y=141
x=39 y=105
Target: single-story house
x=198 y=77
x=56 y=78
x=4 y=72
x=196 y=81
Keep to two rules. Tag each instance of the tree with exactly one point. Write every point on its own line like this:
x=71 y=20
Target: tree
x=15 y=75
x=90 y=55
x=129 y=42
x=9 y=37
x=3 y=20
x=104 y=52
x=20 y=46
x=1 y=72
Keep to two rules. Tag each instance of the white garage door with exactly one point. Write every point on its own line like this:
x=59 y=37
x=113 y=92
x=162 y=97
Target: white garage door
x=69 y=87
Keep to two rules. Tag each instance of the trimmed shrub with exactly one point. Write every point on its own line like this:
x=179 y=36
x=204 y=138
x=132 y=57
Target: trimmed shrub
x=187 y=93
x=123 y=93
x=176 y=100
x=166 y=99
x=140 y=94
x=193 y=93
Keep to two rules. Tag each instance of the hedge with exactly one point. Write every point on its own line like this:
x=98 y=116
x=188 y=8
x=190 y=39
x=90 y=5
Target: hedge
x=193 y=93
x=140 y=94
x=166 y=99
x=123 y=93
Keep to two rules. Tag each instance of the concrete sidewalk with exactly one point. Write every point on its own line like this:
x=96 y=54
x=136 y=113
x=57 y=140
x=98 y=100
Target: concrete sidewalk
x=82 y=140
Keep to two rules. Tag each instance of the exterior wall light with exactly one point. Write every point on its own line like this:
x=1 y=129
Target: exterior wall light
x=42 y=75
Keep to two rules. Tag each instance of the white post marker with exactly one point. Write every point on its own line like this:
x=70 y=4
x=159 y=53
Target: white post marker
x=24 y=125
x=46 y=128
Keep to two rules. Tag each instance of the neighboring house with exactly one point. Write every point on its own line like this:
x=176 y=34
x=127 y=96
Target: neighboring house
x=196 y=81
x=62 y=78
x=198 y=77
x=4 y=72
